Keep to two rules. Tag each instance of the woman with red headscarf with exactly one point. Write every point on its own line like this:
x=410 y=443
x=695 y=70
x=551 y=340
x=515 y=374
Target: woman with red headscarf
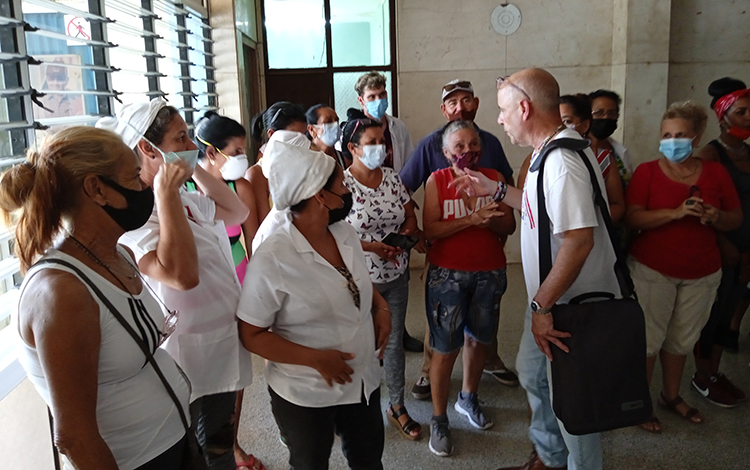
x=731 y=102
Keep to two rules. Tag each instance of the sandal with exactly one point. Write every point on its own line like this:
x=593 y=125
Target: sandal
x=250 y=463
x=407 y=428
x=653 y=425
x=692 y=415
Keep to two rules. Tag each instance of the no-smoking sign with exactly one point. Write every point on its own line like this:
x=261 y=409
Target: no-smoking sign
x=77 y=27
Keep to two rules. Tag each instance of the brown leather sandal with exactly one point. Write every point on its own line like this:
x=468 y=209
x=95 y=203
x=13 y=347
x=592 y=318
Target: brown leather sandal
x=407 y=428
x=692 y=415
x=653 y=425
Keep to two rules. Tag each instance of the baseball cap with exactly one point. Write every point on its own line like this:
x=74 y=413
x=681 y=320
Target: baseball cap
x=456 y=85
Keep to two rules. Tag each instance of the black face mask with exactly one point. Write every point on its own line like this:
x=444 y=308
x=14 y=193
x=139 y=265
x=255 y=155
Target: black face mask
x=139 y=208
x=337 y=215
x=603 y=128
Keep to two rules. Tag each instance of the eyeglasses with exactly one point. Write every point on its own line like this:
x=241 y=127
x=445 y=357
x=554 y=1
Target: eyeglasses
x=211 y=145
x=365 y=122
x=502 y=81
x=170 y=323
x=605 y=114
x=450 y=87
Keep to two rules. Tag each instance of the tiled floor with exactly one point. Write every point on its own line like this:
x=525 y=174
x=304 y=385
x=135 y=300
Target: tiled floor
x=722 y=442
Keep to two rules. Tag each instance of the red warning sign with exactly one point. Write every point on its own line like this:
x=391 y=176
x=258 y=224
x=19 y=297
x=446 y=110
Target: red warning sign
x=78 y=28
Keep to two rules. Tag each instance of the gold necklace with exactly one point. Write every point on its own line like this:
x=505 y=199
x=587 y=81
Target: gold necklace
x=683 y=178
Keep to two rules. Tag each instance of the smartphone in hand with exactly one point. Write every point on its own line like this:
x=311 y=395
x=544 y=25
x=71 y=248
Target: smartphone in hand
x=397 y=240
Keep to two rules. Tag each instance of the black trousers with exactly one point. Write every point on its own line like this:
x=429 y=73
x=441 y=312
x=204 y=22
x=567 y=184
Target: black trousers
x=170 y=459
x=728 y=298
x=309 y=432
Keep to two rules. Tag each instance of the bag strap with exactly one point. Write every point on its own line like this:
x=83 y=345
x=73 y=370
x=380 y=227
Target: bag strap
x=116 y=313
x=545 y=238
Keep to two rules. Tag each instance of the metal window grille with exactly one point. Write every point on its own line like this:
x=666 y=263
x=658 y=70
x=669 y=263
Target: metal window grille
x=65 y=63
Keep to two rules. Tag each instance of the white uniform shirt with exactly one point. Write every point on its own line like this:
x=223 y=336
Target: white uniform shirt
x=570 y=205
x=296 y=293
x=205 y=343
x=273 y=220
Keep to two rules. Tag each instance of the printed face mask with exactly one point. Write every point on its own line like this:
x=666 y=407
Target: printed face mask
x=465 y=160
x=235 y=167
x=676 y=150
x=377 y=108
x=373 y=156
x=331 y=133
x=140 y=204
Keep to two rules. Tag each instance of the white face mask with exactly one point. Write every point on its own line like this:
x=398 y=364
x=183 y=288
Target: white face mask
x=571 y=126
x=235 y=167
x=373 y=156
x=331 y=133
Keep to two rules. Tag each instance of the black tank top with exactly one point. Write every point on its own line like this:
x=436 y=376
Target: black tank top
x=741 y=236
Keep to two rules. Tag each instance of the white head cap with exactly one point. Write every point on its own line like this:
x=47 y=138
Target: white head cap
x=133 y=120
x=295 y=173
x=297 y=139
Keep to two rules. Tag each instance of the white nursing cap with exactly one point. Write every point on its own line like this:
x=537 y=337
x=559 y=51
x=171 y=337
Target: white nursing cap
x=133 y=120
x=295 y=173
x=297 y=139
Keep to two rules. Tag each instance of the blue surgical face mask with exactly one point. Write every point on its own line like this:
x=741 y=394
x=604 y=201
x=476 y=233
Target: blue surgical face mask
x=331 y=133
x=676 y=150
x=377 y=108
x=373 y=156
x=190 y=156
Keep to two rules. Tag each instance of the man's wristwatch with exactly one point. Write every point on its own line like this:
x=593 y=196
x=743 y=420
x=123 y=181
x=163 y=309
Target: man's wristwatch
x=538 y=309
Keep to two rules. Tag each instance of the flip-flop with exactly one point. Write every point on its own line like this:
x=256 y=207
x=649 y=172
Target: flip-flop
x=249 y=464
x=407 y=427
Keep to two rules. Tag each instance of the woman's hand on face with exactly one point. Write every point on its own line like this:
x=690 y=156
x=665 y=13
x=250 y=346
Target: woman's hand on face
x=331 y=365
x=485 y=214
x=692 y=206
x=171 y=176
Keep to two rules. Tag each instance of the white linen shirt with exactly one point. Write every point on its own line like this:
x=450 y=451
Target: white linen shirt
x=205 y=342
x=295 y=292
x=570 y=205
x=402 y=144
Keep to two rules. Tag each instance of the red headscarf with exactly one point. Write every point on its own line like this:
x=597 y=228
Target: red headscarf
x=725 y=102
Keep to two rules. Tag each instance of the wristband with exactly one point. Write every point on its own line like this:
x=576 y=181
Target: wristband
x=502 y=190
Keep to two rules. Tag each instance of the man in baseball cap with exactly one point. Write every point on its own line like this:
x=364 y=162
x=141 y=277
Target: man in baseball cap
x=457 y=101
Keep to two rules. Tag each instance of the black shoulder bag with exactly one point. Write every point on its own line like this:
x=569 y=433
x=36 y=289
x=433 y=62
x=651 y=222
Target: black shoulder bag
x=601 y=383
x=193 y=458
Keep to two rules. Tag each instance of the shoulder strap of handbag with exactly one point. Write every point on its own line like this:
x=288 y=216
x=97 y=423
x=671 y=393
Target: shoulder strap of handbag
x=116 y=313
x=545 y=241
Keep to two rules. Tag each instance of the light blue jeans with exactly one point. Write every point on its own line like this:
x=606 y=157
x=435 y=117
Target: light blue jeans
x=553 y=444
